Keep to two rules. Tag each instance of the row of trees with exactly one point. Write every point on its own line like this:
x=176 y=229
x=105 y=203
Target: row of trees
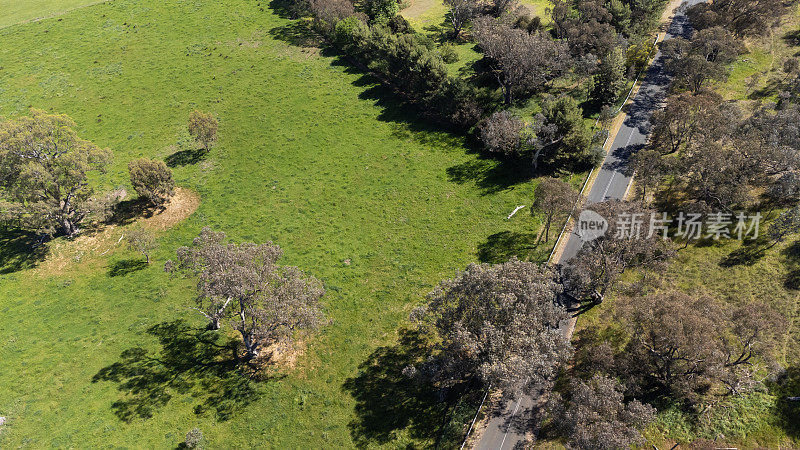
x=603 y=41
x=665 y=346
x=502 y=327
x=713 y=152
x=45 y=171
x=499 y=325
x=410 y=64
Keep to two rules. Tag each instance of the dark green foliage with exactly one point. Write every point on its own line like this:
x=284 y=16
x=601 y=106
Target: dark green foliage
x=620 y=16
x=399 y=25
x=152 y=180
x=448 y=53
x=610 y=79
x=379 y=11
x=413 y=66
x=562 y=137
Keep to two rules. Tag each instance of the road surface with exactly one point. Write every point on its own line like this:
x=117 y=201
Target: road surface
x=513 y=426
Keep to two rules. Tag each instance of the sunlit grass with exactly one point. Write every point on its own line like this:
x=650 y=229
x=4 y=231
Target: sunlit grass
x=311 y=155
x=16 y=11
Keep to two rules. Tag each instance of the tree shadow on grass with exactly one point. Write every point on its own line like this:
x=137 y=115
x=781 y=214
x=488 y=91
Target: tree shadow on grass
x=500 y=247
x=490 y=175
x=125 y=266
x=792 y=255
x=125 y=212
x=298 y=33
x=792 y=38
x=746 y=255
x=283 y=9
x=191 y=362
x=439 y=33
x=388 y=402
x=770 y=89
x=19 y=250
x=788 y=385
x=186 y=157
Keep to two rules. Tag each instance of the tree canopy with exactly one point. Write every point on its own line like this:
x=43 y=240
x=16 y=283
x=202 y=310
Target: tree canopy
x=497 y=324
x=521 y=61
x=44 y=173
x=244 y=285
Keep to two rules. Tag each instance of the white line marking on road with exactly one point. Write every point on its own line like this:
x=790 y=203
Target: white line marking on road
x=627 y=189
x=614 y=172
x=610 y=180
x=512 y=416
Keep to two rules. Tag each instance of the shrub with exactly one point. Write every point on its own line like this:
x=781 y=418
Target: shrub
x=328 y=13
x=399 y=25
x=193 y=438
x=455 y=102
x=348 y=32
x=448 y=53
x=412 y=65
x=152 y=180
x=380 y=11
x=203 y=128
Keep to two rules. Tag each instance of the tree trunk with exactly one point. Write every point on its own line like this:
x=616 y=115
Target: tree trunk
x=508 y=96
x=535 y=160
x=547 y=229
x=250 y=346
x=215 y=323
x=68 y=228
x=456 y=25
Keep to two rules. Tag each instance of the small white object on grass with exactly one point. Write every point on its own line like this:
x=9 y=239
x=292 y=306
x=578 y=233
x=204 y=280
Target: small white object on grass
x=2 y=420
x=515 y=211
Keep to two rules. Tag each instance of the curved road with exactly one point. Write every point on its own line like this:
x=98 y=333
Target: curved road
x=514 y=424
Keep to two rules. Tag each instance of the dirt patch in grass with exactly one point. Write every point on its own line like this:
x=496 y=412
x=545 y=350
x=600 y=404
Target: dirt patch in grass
x=91 y=245
x=182 y=205
x=281 y=357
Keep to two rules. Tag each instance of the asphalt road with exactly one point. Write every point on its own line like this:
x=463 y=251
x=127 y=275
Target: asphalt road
x=512 y=427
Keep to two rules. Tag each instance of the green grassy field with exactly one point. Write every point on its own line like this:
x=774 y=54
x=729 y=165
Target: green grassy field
x=425 y=13
x=753 y=76
x=16 y=11
x=313 y=156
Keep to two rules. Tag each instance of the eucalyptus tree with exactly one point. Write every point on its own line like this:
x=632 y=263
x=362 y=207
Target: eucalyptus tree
x=243 y=284
x=44 y=174
x=498 y=325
